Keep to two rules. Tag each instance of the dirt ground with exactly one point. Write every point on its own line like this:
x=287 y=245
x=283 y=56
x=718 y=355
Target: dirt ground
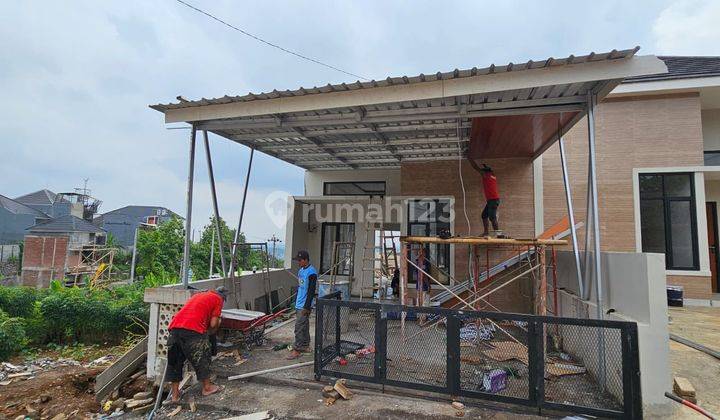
x=50 y=392
x=295 y=394
x=702 y=325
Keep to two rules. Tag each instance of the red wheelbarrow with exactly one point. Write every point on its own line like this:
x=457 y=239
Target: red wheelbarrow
x=251 y=324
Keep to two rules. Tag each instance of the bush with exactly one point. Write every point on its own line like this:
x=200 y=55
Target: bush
x=12 y=335
x=18 y=301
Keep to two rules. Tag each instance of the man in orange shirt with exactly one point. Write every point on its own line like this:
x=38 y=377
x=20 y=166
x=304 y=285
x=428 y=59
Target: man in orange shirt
x=188 y=339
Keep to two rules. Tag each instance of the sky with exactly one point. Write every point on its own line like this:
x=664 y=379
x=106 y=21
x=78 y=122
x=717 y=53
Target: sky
x=76 y=78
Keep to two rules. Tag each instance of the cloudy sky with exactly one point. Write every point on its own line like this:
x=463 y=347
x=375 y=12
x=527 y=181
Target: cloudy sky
x=76 y=77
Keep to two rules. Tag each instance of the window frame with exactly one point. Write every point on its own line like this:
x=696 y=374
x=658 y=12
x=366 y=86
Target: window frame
x=337 y=239
x=330 y=183
x=667 y=218
x=447 y=248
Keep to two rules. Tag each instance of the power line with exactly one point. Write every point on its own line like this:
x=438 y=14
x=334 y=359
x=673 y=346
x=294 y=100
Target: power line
x=257 y=38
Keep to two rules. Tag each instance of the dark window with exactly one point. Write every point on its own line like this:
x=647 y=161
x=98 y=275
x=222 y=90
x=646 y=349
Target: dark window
x=668 y=220
x=712 y=157
x=331 y=233
x=429 y=218
x=354 y=188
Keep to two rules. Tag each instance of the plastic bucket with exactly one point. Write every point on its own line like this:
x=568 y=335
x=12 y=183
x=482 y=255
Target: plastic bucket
x=342 y=286
x=675 y=295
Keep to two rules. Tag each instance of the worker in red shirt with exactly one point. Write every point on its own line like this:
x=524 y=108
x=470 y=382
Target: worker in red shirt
x=188 y=339
x=492 y=196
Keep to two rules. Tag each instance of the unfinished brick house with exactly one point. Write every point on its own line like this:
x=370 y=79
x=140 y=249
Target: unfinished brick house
x=65 y=248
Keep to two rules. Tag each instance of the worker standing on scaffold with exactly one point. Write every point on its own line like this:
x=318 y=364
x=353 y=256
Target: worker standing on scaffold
x=492 y=197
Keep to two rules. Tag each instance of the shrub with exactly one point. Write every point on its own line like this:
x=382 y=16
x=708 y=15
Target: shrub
x=36 y=326
x=18 y=301
x=12 y=335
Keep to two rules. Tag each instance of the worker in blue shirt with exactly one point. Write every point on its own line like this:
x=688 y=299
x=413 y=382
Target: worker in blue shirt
x=307 y=282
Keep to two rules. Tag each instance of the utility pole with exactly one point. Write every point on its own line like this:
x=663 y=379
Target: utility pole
x=134 y=254
x=212 y=254
x=274 y=240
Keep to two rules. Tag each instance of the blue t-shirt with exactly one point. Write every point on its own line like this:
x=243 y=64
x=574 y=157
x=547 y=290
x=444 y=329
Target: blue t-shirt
x=303 y=285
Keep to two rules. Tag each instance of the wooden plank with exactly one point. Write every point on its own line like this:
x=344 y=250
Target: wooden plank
x=480 y=240
x=113 y=376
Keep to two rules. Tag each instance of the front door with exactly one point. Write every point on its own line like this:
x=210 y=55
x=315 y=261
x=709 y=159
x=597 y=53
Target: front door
x=712 y=234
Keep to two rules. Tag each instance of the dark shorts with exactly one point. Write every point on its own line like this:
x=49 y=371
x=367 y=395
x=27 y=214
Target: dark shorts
x=191 y=346
x=490 y=210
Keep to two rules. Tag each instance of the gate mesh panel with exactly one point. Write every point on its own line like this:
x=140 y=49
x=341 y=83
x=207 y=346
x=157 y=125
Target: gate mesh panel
x=357 y=331
x=497 y=351
x=417 y=354
x=575 y=372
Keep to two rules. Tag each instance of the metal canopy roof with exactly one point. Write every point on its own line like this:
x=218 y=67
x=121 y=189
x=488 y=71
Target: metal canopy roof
x=379 y=124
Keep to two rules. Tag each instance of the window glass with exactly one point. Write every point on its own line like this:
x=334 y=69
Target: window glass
x=712 y=158
x=653 y=226
x=677 y=185
x=331 y=233
x=668 y=220
x=682 y=238
x=651 y=186
x=427 y=217
x=354 y=188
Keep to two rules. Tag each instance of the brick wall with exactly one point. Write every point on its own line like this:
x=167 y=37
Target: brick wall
x=663 y=131
x=516 y=213
x=44 y=259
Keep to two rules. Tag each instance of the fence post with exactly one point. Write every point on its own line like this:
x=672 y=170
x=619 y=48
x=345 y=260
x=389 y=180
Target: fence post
x=380 y=344
x=536 y=360
x=632 y=397
x=319 y=321
x=337 y=328
x=453 y=355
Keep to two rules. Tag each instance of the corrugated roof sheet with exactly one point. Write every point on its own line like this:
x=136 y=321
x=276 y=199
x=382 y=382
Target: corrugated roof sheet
x=67 y=223
x=16 y=207
x=404 y=80
x=682 y=67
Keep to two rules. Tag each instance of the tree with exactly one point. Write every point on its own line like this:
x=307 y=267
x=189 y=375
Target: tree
x=200 y=251
x=160 y=250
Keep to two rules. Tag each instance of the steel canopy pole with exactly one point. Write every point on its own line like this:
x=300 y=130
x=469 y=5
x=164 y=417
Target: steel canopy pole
x=571 y=216
x=595 y=215
x=188 y=211
x=242 y=212
x=213 y=193
x=596 y=238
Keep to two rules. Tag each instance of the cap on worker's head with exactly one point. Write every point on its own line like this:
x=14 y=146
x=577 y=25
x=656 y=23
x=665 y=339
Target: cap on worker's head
x=222 y=291
x=301 y=255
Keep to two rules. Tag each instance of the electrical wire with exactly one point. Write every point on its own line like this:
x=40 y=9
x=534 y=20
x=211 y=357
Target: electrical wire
x=462 y=182
x=268 y=43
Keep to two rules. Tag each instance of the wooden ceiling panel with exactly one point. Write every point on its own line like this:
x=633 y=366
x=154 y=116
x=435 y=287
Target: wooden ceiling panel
x=513 y=136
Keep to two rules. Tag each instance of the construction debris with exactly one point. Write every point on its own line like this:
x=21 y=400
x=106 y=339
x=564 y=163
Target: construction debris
x=175 y=411
x=458 y=405
x=684 y=389
x=260 y=415
x=342 y=389
x=261 y=372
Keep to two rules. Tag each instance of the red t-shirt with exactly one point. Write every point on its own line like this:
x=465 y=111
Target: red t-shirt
x=197 y=312
x=490 y=186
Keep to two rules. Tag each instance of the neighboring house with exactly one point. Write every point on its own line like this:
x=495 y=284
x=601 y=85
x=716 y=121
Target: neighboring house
x=658 y=148
x=122 y=223
x=58 y=249
x=15 y=218
x=47 y=202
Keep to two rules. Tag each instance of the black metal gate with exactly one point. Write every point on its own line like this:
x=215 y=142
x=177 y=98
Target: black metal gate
x=583 y=365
